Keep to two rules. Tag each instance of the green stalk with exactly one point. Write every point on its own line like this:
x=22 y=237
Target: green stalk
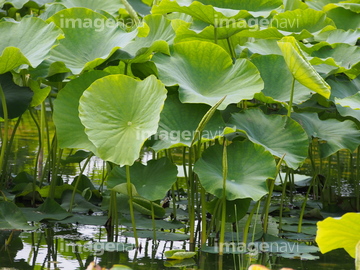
x=8 y=150
x=6 y=130
x=77 y=182
x=223 y=213
x=153 y=221
x=203 y=216
x=283 y=197
x=129 y=188
x=304 y=204
x=291 y=97
x=248 y=222
x=268 y=199
x=131 y=11
x=232 y=52
x=191 y=203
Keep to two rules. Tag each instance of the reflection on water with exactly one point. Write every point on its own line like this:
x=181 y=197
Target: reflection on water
x=60 y=247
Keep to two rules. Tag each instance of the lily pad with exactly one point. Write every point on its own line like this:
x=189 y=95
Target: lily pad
x=151 y=181
x=276 y=90
x=179 y=121
x=11 y=217
x=132 y=115
x=69 y=128
x=86 y=31
x=333 y=134
x=205 y=73
x=249 y=166
x=283 y=135
x=28 y=42
x=179 y=254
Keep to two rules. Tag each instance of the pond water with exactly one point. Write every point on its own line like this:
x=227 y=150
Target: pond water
x=61 y=246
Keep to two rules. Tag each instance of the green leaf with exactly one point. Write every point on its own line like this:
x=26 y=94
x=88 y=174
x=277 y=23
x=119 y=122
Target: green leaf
x=28 y=42
x=151 y=181
x=11 y=217
x=146 y=207
x=235 y=210
x=338 y=36
x=343 y=17
x=279 y=134
x=300 y=67
x=345 y=55
x=49 y=210
x=40 y=94
x=179 y=254
x=110 y=6
x=352 y=102
x=179 y=121
x=249 y=165
x=70 y=130
x=17 y=98
x=276 y=90
x=132 y=115
x=90 y=38
x=205 y=74
x=301 y=21
x=79 y=156
x=334 y=135
x=197 y=10
x=157 y=40
x=337 y=233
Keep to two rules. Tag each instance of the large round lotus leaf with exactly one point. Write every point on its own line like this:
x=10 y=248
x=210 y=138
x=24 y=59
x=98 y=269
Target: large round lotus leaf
x=119 y=113
x=249 y=165
x=27 y=42
x=179 y=121
x=197 y=10
x=334 y=135
x=275 y=89
x=254 y=5
x=300 y=67
x=205 y=73
x=301 y=19
x=344 y=18
x=151 y=181
x=69 y=128
x=111 y=6
x=90 y=38
x=160 y=34
x=17 y=98
x=277 y=133
x=339 y=233
x=345 y=55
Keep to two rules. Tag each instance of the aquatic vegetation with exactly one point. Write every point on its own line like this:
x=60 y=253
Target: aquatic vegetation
x=195 y=109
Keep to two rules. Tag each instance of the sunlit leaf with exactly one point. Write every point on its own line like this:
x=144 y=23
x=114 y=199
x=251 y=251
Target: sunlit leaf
x=132 y=115
x=334 y=233
x=300 y=67
x=205 y=73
